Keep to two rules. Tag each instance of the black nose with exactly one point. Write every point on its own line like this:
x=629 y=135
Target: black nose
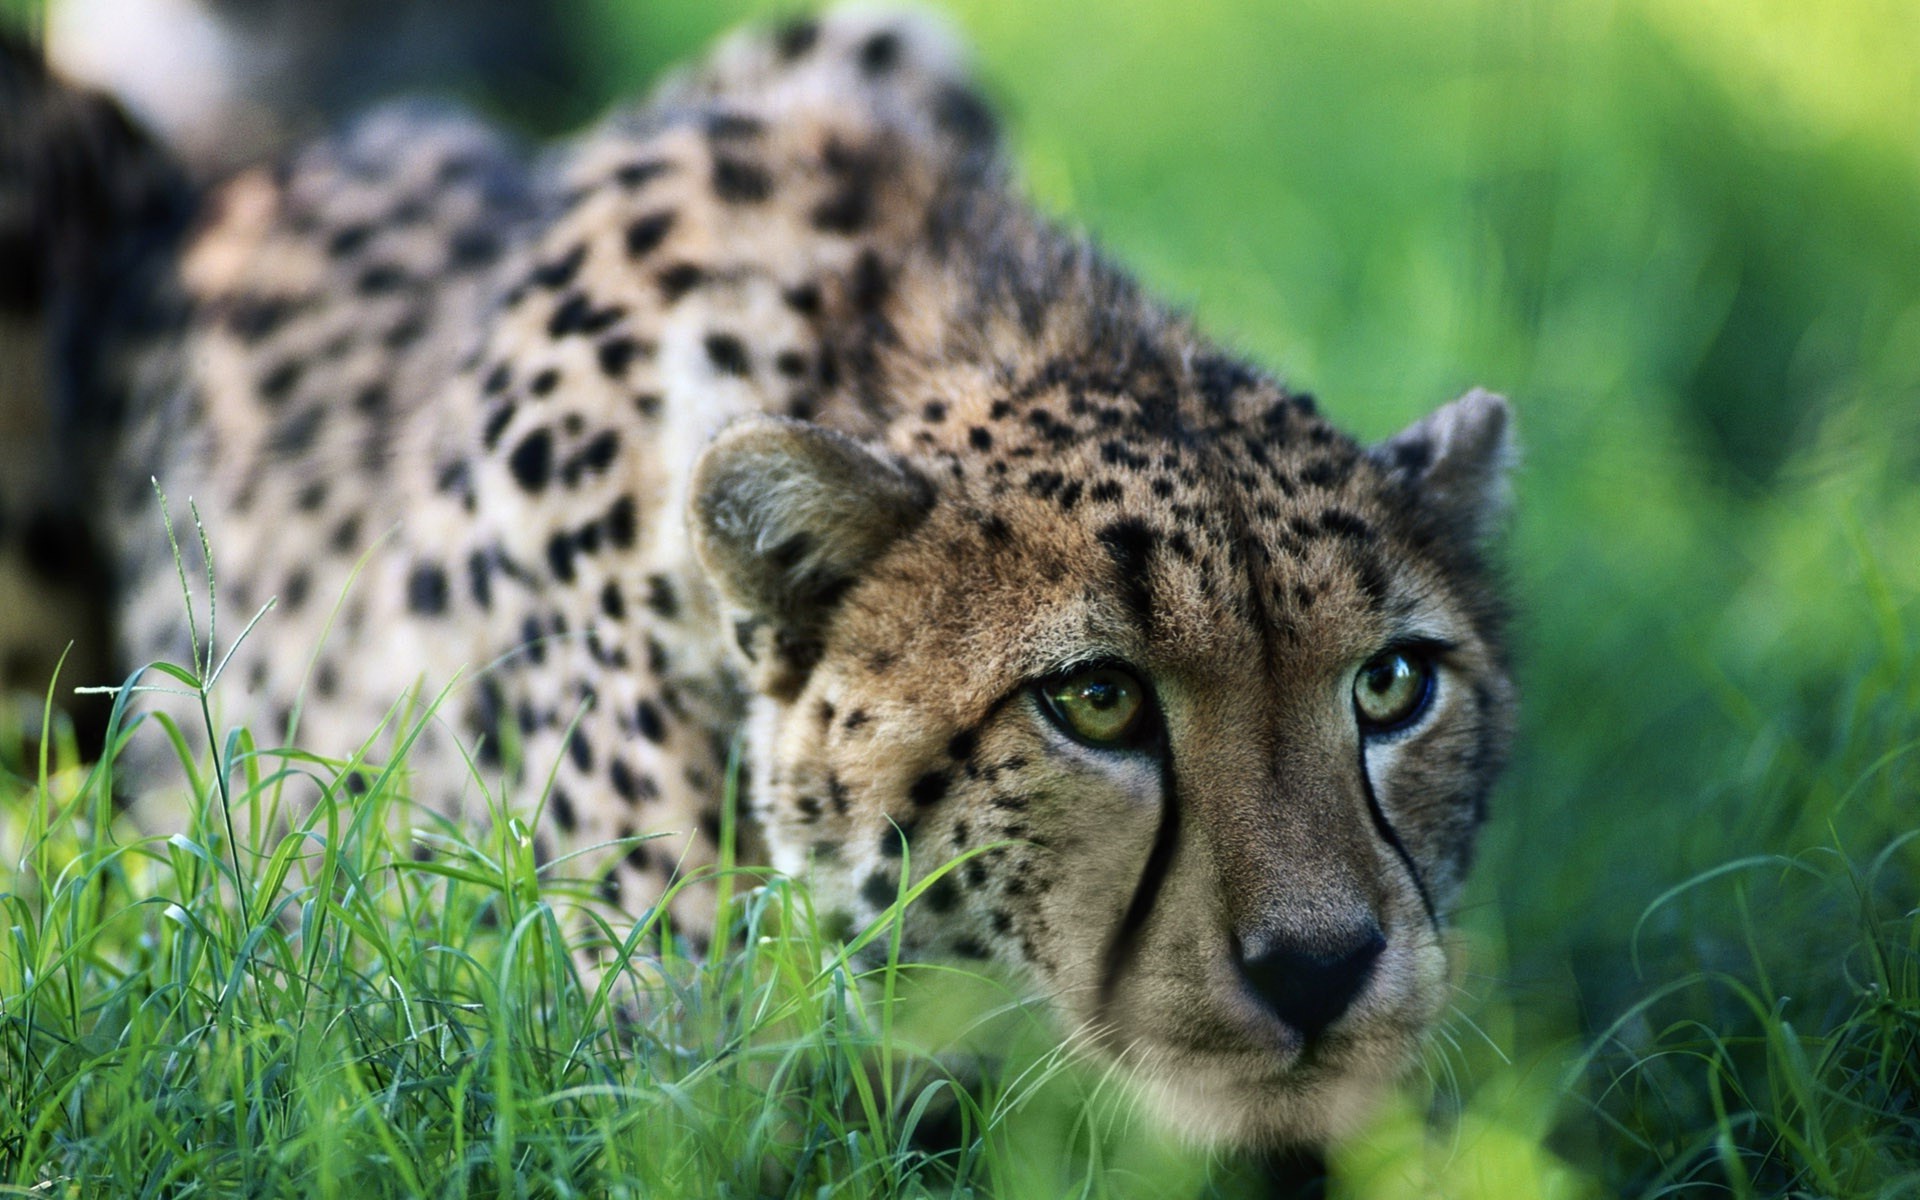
x=1309 y=981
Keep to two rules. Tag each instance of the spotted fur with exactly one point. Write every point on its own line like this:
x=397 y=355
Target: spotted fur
x=769 y=405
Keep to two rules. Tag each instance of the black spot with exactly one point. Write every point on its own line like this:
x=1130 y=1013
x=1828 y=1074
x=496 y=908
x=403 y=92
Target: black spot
x=636 y=174
x=848 y=210
x=621 y=776
x=647 y=404
x=599 y=453
x=967 y=947
x=929 y=789
x=728 y=126
x=727 y=354
x=349 y=240
x=346 y=535
x=278 y=383
x=545 y=382
x=646 y=719
x=294 y=435
x=646 y=233
x=676 y=281
x=380 y=279
x=1045 y=483
x=878 y=890
x=791 y=363
x=960 y=746
x=560 y=272
x=563 y=814
x=934 y=413
x=406 y=331
x=855 y=720
x=294 y=594
x=427 y=589
x=941 y=895
x=1129 y=543
x=372 y=398
x=1372 y=579
x=661 y=598
x=1338 y=522
x=796 y=38
x=880 y=53
x=311 y=497
x=615 y=354
x=577 y=315
x=453 y=477
x=612 y=602
x=1321 y=473
x=868 y=289
x=804 y=299
x=739 y=182
x=621 y=523
x=979 y=438
x=1105 y=492
x=253 y=318
x=532 y=460
x=496 y=425
x=472 y=249
x=560 y=552
x=962 y=114
x=480 y=578
x=581 y=751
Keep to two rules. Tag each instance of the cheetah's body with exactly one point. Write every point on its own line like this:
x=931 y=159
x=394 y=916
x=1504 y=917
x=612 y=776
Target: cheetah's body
x=453 y=409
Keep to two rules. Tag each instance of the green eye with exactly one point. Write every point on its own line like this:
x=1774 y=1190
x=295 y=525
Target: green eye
x=1391 y=690
x=1102 y=706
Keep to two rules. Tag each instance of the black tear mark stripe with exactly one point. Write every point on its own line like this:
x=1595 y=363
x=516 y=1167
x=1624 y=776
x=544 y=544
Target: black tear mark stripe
x=1146 y=893
x=1391 y=837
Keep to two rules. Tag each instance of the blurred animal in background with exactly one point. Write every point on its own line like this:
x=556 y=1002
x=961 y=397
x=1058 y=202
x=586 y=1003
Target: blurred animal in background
x=226 y=83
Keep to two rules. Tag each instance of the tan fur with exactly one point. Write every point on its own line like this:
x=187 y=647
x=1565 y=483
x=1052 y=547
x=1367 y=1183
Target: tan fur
x=1002 y=462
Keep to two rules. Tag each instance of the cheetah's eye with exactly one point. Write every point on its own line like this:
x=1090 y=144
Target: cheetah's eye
x=1392 y=690
x=1101 y=706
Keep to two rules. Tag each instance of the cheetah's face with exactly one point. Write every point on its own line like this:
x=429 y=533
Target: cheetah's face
x=1227 y=741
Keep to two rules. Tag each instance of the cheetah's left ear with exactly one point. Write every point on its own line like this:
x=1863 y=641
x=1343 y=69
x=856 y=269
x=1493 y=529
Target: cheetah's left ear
x=785 y=516
x=1457 y=458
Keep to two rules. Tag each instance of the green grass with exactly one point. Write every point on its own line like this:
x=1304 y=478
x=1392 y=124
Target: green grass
x=325 y=1013
x=1681 y=235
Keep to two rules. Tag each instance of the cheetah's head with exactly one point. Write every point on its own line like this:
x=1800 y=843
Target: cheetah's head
x=1226 y=689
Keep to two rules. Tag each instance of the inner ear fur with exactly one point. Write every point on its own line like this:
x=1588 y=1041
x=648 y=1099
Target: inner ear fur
x=785 y=516
x=1457 y=458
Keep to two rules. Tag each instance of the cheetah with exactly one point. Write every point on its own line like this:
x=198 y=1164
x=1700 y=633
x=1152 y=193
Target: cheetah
x=769 y=407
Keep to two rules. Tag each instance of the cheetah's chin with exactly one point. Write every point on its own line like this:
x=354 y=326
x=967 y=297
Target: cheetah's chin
x=1233 y=1101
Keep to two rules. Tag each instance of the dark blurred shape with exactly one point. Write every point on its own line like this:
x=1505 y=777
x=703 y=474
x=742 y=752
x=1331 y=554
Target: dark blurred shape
x=228 y=82
x=87 y=203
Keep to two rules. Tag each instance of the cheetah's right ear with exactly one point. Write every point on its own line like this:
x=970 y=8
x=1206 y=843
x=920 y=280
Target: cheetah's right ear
x=1456 y=459
x=784 y=516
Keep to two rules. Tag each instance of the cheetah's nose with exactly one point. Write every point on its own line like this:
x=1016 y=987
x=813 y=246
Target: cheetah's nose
x=1308 y=981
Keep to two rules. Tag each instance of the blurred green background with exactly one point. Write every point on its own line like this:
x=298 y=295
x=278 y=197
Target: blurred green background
x=1684 y=237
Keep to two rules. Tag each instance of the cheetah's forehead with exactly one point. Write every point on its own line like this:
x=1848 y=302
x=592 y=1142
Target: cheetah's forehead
x=1174 y=509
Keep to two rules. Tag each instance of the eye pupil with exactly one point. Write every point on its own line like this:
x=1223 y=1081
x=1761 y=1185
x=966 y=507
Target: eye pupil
x=1103 y=706
x=1392 y=690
